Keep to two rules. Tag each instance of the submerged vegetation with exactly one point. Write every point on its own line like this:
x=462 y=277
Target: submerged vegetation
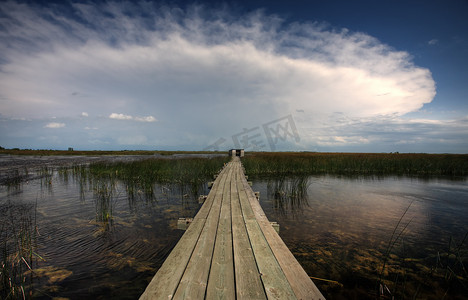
x=441 y=274
x=17 y=245
x=303 y=163
x=384 y=270
x=104 y=191
x=106 y=181
x=396 y=271
x=140 y=178
x=289 y=194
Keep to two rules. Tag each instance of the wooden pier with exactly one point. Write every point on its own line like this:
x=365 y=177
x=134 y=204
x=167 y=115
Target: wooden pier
x=231 y=251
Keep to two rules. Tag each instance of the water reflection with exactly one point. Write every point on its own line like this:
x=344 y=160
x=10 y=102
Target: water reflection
x=355 y=230
x=18 y=248
x=289 y=194
x=99 y=238
x=107 y=238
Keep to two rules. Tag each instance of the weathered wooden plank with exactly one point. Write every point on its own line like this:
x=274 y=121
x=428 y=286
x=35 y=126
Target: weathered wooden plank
x=164 y=283
x=248 y=283
x=274 y=281
x=247 y=211
x=300 y=282
x=195 y=279
x=221 y=281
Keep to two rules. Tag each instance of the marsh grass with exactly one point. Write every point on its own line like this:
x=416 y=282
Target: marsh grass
x=64 y=174
x=80 y=174
x=397 y=234
x=140 y=179
x=295 y=163
x=141 y=176
x=440 y=275
x=14 y=181
x=289 y=194
x=18 y=246
x=104 y=194
x=399 y=270
x=288 y=186
x=15 y=178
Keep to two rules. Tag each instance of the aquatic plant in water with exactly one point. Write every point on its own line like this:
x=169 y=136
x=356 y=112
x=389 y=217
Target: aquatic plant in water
x=288 y=193
x=141 y=176
x=18 y=250
x=103 y=195
x=403 y=276
x=46 y=174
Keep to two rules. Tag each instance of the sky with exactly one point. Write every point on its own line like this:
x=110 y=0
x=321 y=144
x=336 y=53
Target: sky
x=328 y=76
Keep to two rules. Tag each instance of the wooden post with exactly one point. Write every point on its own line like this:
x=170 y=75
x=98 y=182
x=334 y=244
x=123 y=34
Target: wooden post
x=202 y=199
x=275 y=226
x=257 y=195
x=184 y=223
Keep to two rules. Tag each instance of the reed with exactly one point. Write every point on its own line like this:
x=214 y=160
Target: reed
x=383 y=288
x=146 y=172
x=14 y=179
x=46 y=174
x=441 y=274
x=295 y=163
x=140 y=177
x=18 y=244
x=289 y=194
x=104 y=192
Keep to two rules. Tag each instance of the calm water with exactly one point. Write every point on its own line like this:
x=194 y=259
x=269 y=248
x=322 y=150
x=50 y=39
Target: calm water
x=339 y=228
x=342 y=230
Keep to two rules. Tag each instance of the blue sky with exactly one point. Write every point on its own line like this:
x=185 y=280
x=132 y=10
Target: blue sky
x=358 y=76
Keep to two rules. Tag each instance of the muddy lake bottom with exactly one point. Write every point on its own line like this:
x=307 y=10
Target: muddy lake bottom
x=358 y=237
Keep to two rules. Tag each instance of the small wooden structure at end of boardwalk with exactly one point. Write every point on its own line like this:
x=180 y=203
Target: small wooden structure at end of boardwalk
x=236 y=152
x=231 y=251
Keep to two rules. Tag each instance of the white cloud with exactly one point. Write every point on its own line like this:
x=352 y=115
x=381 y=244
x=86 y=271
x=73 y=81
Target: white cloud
x=341 y=140
x=54 y=125
x=84 y=114
x=128 y=117
x=205 y=77
x=120 y=116
x=433 y=42
x=146 y=119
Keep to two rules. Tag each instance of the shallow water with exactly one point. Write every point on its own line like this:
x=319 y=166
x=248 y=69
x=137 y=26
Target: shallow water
x=87 y=257
x=339 y=228
x=342 y=229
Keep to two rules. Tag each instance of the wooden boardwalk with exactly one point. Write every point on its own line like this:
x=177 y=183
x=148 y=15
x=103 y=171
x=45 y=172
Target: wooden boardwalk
x=230 y=251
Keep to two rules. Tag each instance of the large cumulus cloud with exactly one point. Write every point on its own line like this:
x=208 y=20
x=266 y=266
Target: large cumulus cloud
x=196 y=70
